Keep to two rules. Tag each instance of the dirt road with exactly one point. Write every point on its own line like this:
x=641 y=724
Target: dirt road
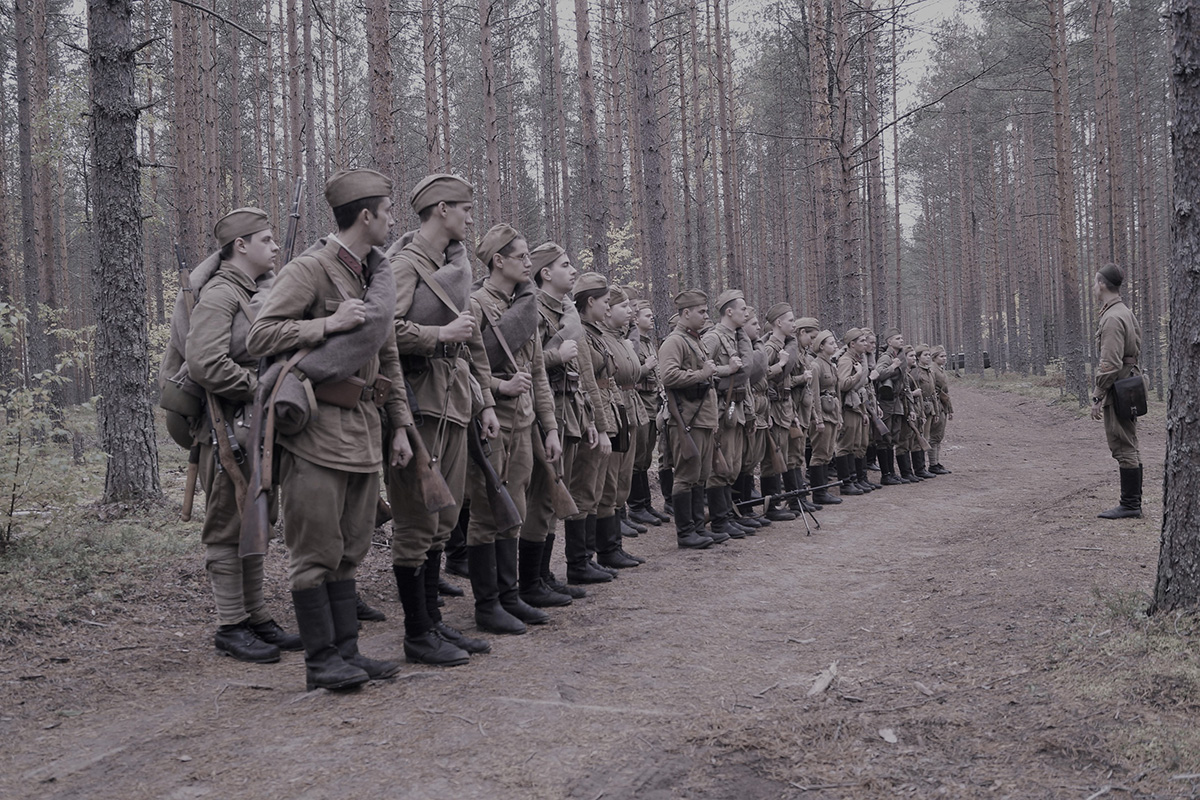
x=983 y=626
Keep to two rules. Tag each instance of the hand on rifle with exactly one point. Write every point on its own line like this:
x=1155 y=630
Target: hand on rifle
x=349 y=315
x=402 y=451
x=489 y=422
x=735 y=364
x=709 y=368
x=652 y=362
x=784 y=355
x=807 y=375
x=553 y=447
x=460 y=330
x=874 y=376
x=568 y=350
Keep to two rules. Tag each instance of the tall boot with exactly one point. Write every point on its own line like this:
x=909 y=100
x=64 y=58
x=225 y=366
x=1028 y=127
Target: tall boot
x=861 y=478
x=549 y=578
x=628 y=527
x=817 y=477
x=742 y=490
x=666 y=483
x=590 y=529
x=456 y=548
x=1131 y=495
x=662 y=517
x=871 y=457
x=433 y=583
x=771 y=485
x=579 y=566
x=490 y=616
x=343 y=600
x=641 y=507
x=734 y=518
x=887 y=467
x=848 y=488
x=919 y=469
x=792 y=482
x=686 y=533
x=904 y=461
x=698 y=494
x=608 y=544
x=533 y=589
x=507 y=585
x=324 y=667
x=421 y=644
x=718 y=516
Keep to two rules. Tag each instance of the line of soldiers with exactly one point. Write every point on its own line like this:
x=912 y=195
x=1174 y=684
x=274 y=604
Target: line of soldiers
x=532 y=394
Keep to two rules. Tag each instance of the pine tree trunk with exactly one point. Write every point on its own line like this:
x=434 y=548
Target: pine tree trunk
x=595 y=209
x=490 y=126
x=122 y=341
x=1178 y=584
x=379 y=84
x=560 y=227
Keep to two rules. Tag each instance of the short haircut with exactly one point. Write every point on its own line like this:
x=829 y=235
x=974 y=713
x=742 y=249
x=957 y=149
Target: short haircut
x=507 y=251
x=227 y=249
x=582 y=298
x=345 y=215
x=425 y=213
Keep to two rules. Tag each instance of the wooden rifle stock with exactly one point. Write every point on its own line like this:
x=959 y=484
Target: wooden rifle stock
x=435 y=493
x=504 y=511
x=560 y=497
x=189 y=488
x=256 y=510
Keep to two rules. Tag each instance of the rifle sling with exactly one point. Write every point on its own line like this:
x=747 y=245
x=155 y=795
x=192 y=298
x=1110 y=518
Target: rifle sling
x=224 y=450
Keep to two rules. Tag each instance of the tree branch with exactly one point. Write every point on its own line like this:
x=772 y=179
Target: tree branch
x=226 y=20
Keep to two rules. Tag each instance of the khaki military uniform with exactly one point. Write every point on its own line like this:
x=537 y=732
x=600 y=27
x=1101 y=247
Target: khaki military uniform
x=1119 y=344
x=758 y=419
x=930 y=405
x=590 y=468
x=628 y=406
x=943 y=409
x=329 y=471
x=512 y=451
x=648 y=393
x=573 y=417
x=781 y=409
x=893 y=370
x=853 y=438
x=721 y=344
x=217 y=360
x=829 y=405
x=444 y=378
x=804 y=402
x=680 y=363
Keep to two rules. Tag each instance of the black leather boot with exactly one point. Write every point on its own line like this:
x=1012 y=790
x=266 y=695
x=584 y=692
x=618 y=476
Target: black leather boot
x=848 y=487
x=1131 y=496
x=579 y=566
x=641 y=508
x=818 y=476
x=666 y=483
x=743 y=490
x=433 y=582
x=864 y=478
x=342 y=600
x=456 y=548
x=421 y=644
x=746 y=523
x=628 y=527
x=366 y=613
x=590 y=528
x=904 y=462
x=719 y=516
x=490 y=616
x=608 y=544
x=654 y=512
x=508 y=586
x=271 y=633
x=534 y=590
x=773 y=484
x=686 y=534
x=887 y=467
x=918 y=459
x=698 y=517
x=240 y=642
x=324 y=667
x=549 y=578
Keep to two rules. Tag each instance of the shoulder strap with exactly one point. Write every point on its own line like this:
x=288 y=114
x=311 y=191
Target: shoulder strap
x=435 y=287
x=494 y=323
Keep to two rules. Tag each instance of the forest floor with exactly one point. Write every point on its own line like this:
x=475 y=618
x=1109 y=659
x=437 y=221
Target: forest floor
x=988 y=633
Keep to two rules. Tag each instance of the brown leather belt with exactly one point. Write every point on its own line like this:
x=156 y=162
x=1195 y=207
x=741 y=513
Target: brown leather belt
x=1129 y=361
x=350 y=392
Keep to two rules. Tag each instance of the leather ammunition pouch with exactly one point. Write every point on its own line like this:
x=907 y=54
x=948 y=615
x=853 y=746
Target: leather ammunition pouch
x=1129 y=397
x=563 y=380
x=622 y=438
x=886 y=391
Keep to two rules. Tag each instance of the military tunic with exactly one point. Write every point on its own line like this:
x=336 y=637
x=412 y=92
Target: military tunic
x=893 y=381
x=829 y=404
x=852 y=386
x=626 y=371
x=329 y=471
x=512 y=451
x=649 y=394
x=781 y=410
x=444 y=378
x=937 y=431
x=721 y=344
x=804 y=402
x=680 y=363
x=218 y=361
x=1119 y=345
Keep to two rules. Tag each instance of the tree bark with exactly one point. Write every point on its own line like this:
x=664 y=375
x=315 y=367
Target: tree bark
x=491 y=130
x=122 y=341
x=595 y=210
x=379 y=84
x=1178 y=584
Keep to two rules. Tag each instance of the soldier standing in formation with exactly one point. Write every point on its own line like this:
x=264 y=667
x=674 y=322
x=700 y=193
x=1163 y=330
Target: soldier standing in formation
x=505 y=308
x=758 y=420
x=686 y=372
x=445 y=364
x=329 y=470
x=218 y=361
x=1119 y=345
x=851 y=450
x=945 y=411
x=649 y=392
x=783 y=358
x=828 y=416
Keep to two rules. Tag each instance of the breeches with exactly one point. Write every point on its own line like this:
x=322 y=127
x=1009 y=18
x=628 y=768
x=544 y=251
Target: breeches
x=415 y=531
x=512 y=458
